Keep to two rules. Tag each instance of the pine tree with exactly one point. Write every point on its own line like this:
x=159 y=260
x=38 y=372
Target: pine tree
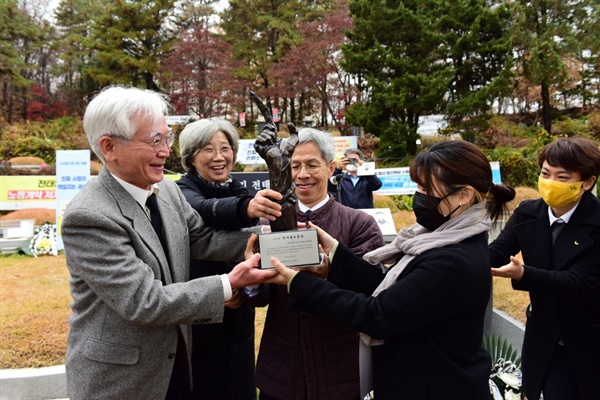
x=262 y=32
x=129 y=40
x=542 y=32
x=413 y=58
x=23 y=57
x=74 y=48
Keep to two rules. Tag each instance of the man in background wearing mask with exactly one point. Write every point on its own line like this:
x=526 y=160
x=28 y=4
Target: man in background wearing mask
x=356 y=191
x=559 y=238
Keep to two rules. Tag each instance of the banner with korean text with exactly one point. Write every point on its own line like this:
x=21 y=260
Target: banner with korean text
x=248 y=156
x=397 y=180
x=72 y=173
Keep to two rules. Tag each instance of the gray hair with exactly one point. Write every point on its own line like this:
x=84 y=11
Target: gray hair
x=119 y=110
x=321 y=139
x=197 y=135
x=354 y=151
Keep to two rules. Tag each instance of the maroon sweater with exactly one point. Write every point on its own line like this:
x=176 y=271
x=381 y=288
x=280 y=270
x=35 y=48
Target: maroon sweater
x=305 y=356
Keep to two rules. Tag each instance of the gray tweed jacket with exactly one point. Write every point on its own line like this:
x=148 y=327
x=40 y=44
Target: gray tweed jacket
x=124 y=322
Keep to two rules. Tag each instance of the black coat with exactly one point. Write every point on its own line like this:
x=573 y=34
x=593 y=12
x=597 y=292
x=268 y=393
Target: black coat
x=431 y=319
x=222 y=354
x=563 y=282
x=219 y=207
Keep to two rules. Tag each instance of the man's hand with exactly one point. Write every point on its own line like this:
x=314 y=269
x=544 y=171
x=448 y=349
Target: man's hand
x=247 y=273
x=341 y=163
x=513 y=270
x=262 y=205
x=251 y=246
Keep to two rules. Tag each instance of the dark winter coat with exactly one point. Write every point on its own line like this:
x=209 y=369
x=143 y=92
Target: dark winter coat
x=222 y=354
x=563 y=281
x=431 y=319
x=356 y=196
x=305 y=356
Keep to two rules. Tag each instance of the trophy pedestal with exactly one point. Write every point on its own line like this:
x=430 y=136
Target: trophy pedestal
x=294 y=248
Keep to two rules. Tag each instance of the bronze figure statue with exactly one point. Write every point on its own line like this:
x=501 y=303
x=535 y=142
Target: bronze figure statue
x=278 y=155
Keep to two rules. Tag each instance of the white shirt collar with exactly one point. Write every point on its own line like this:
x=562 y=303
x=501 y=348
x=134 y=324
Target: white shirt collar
x=320 y=204
x=565 y=217
x=140 y=195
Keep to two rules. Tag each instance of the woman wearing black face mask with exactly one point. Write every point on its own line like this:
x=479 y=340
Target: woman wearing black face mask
x=426 y=209
x=423 y=317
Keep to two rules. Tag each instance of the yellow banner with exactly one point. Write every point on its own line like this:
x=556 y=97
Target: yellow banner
x=33 y=191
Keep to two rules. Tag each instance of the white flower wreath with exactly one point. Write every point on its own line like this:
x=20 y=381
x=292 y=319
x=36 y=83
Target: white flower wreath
x=505 y=381
x=44 y=240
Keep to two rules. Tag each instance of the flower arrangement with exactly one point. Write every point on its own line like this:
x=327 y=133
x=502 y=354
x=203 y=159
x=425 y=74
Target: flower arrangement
x=44 y=240
x=505 y=381
x=505 y=375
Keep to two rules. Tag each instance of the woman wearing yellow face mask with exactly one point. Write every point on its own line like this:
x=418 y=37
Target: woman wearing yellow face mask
x=559 y=238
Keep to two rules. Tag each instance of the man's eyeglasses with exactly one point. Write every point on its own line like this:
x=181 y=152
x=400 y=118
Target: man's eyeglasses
x=157 y=141
x=210 y=153
x=310 y=168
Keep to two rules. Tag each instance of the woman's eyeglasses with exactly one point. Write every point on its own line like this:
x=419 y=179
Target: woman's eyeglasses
x=210 y=152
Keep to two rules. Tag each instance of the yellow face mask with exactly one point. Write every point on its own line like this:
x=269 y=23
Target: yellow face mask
x=558 y=194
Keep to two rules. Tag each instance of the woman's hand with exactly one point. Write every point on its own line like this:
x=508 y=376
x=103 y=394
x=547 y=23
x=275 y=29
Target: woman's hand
x=513 y=270
x=326 y=241
x=262 y=205
x=321 y=270
x=285 y=274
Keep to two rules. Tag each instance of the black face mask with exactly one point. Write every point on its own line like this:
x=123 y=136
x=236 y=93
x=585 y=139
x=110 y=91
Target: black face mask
x=426 y=211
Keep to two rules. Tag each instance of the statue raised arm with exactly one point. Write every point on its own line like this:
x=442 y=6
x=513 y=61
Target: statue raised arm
x=278 y=155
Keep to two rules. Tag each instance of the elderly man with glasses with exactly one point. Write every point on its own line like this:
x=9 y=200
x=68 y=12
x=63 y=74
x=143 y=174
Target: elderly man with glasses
x=302 y=355
x=129 y=236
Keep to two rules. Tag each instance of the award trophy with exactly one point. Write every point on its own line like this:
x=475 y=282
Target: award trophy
x=293 y=247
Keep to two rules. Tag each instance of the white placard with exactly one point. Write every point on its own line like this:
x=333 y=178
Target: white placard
x=177 y=119
x=383 y=217
x=367 y=168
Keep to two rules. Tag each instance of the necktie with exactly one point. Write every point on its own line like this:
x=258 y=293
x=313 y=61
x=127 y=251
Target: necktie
x=178 y=385
x=307 y=213
x=156 y=220
x=556 y=228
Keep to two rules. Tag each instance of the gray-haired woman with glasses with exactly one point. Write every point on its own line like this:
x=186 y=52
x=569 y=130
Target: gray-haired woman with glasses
x=223 y=354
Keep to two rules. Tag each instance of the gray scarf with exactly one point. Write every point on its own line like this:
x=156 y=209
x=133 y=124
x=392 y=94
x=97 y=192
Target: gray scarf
x=416 y=240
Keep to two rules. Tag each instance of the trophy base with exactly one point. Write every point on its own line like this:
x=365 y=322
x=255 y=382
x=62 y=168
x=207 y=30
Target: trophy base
x=295 y=248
